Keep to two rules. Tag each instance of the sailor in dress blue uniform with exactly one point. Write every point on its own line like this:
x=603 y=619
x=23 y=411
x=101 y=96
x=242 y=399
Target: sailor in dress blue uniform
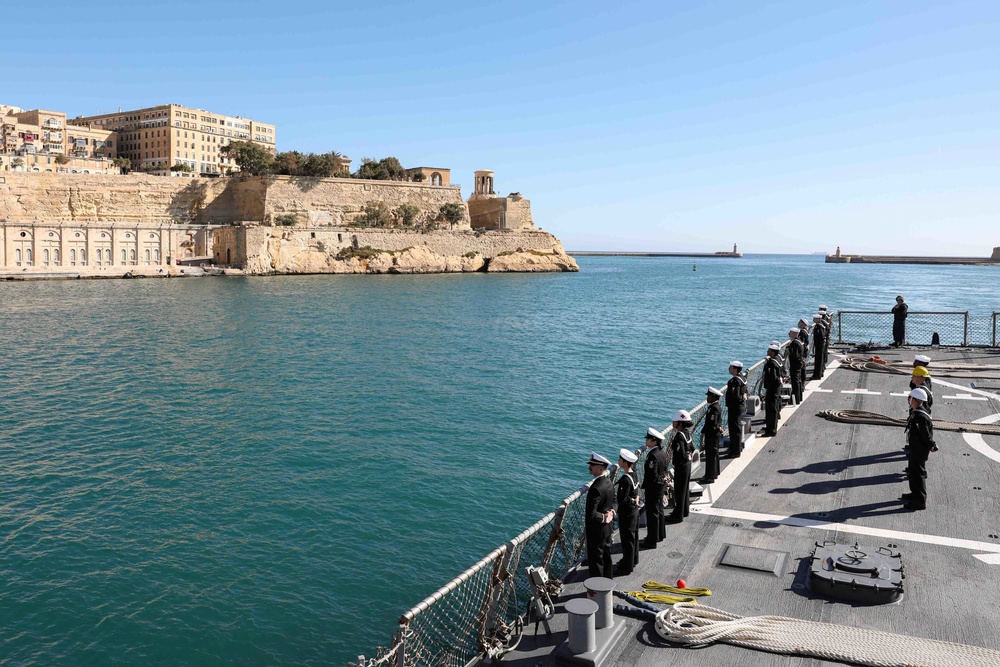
x=627 y=498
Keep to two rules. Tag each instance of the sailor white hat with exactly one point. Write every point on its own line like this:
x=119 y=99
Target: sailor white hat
x=628 y=455
x=919 y=394
x=794 y=331
x=922 y=358
x=775 y=347
x=803 y=321
x=817 y=316
x=714 y=391
x=682 y=416
x=736 y=364
x=598 y=459
x=653 y=433
x=822 y=309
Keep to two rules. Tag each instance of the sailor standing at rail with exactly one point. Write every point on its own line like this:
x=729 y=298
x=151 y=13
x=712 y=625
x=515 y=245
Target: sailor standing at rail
x=773 y=371
x=804 y=339
x=899 y=312
x=654 y=480
x=600 y=512
x=681 y=453
x=711 y=432
x=628 y=512
x=736 y=396
x=819 y=343
x=920 y=438
x=828 y=324
x=796 y=363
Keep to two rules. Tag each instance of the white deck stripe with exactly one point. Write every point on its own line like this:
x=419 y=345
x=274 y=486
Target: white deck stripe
x=976 y=441
x=967 y=397
x=989 y=559
x=969 y=390
x=863 y=392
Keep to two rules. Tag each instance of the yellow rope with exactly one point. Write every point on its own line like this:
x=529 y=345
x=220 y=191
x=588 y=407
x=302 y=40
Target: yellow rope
x=660 y=598
x=657 y=586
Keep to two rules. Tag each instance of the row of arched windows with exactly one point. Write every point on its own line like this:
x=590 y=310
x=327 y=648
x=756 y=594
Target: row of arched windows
x=153 y=255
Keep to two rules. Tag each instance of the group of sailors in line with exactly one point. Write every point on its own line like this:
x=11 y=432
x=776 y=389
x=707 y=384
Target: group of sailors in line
x=919 y=434
x=607 y=500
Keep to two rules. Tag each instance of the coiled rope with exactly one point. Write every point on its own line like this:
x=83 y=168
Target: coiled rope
x=939 y=370
x=667 y=594
x=865 y=417
x=696 y=625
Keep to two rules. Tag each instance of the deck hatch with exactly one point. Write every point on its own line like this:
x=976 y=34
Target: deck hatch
x=753 y=559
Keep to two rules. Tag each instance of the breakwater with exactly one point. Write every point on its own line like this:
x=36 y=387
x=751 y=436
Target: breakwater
x=600 y=253
x=839 y=258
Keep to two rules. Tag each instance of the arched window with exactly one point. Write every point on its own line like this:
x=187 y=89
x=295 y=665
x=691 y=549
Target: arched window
x=123 y=256
x=17 y=255
x=107 y=255
x=45 y=255
x=55 y=255
x=156 y=254
x=435 y=178
x=27 y=255
x=72 y=255
x=83 y=257
x=147 y=255
x=131 y=255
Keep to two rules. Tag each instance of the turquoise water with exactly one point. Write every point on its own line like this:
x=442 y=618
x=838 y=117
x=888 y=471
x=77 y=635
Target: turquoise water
x=269 y=471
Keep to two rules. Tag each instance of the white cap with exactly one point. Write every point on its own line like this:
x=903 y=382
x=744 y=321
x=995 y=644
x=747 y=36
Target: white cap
x=682 y=416
x=736 y=364
x=922 y=358
x=628 y=455
x=803 y=321
x=653 y=433
x=714 y=391
x=919 y=394
x=822 y=309
x=817 y=316
x=775 y=347
x=794 y=331
x=598 y=459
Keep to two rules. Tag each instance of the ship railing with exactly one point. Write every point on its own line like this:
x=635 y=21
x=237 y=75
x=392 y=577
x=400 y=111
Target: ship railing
x=953 y=328
x=474 y=613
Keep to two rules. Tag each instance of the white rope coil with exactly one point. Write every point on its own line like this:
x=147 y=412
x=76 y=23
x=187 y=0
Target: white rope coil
x=697 y=625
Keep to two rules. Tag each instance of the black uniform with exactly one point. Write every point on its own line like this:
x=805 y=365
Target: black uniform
x=804 y=339
x=796 y=367
x=681 y=451
x=600 y=499
x=712 y=432
x=628 y=521
x=920 y=437
x=736 y=395
x=828 y=326
x=819 y=351
x=899 y=312
x=926 y=386
x=653 y=482
x=772 y=394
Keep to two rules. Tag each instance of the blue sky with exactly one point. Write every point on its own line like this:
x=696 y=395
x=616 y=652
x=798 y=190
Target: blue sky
x=782 y=126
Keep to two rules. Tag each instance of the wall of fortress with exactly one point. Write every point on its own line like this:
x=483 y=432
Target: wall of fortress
x=29 y=197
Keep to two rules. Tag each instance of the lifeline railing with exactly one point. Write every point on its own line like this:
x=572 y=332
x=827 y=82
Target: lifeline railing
x=953 y=328
x=478 y=611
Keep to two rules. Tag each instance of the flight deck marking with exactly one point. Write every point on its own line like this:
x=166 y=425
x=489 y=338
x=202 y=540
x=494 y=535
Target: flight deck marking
x=967 y=397
x=989 y=559
x=976 y=441
x=863 y=392
x=967 y=390
x=821 y=391
x=899 y=393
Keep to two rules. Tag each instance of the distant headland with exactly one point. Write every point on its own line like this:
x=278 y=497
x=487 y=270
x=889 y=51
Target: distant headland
x=840 y=258
x=615 y=253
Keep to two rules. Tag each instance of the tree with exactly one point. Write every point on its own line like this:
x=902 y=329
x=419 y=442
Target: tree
x=62 y=159
x=181 y=166
x=374 y=214
x=249 y=157
x=123 y=163
x=406 y=214
x=452 y=213
x=386 y=169
x=17 y=162
x=288 y=163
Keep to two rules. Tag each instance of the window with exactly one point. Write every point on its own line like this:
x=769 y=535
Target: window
x=107 y=255
x=123 y=256
x=72 y=256
x=83 y=257
x=27 y=255
x=17 y=256
x=156 y=254
x=131 y=255
x=147 y=255
x=55 y=255
x=45 y=256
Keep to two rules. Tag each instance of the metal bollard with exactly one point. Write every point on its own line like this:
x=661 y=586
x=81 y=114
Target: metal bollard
x=599 y=590
x=582 y=635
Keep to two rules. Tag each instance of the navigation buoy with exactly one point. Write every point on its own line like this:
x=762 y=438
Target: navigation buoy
x=695 y=267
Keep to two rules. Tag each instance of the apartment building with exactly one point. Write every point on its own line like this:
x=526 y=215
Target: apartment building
x=157 y=138
x=41 y=140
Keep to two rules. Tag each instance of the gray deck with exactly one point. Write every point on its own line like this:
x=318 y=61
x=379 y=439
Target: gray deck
x=820 y=480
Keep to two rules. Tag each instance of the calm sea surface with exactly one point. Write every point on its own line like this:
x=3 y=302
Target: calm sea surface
x=270 y=470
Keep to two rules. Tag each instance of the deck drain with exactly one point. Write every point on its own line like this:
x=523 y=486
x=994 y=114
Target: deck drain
x=977 y=488
x=892 y=545
x=994 y=536
x=674 y=554
x=736 y=524
x=771 y=450
x=966 y=454
x=754 y=484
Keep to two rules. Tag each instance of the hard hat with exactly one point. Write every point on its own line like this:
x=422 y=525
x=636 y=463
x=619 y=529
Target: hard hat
x=921 y=372
x=682 y=416
x=919 y=394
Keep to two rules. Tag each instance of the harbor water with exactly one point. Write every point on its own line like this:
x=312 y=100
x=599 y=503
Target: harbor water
x=268 y=471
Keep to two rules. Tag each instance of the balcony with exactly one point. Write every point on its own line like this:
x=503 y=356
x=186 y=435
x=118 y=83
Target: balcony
x=50 y=123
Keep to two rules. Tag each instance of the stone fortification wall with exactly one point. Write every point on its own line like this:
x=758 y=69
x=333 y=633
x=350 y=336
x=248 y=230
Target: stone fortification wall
x=28 y=197
x=511 y=212
x=263 y=250
x=338 y=201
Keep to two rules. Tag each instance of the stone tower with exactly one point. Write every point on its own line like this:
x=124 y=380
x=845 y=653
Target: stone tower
x=484 y=186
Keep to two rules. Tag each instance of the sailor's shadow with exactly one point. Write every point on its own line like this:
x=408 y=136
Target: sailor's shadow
x=834 y=485
x=841 y=514
x=840 y=465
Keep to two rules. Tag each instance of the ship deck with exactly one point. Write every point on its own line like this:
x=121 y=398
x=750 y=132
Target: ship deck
x=818 y=480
